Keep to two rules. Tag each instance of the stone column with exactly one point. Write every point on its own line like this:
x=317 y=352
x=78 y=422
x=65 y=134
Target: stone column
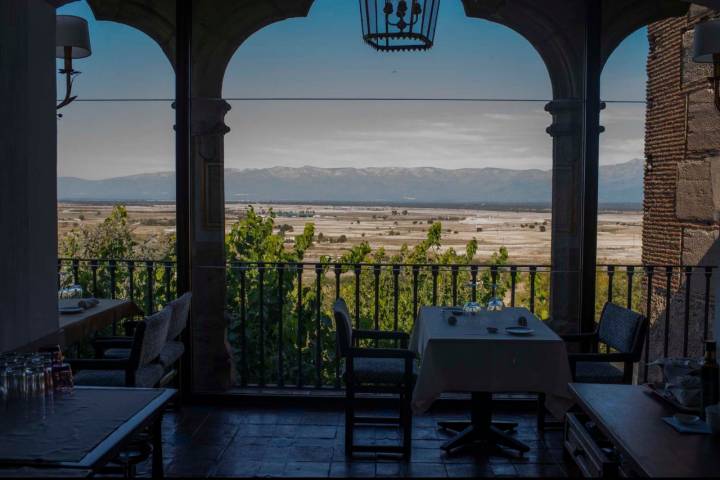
x=567 y=188
x=211 y=358
x=28 y=172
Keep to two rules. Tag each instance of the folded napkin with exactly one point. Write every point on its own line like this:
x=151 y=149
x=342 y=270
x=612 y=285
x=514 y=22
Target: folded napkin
x=88 y=303
x=699 y=427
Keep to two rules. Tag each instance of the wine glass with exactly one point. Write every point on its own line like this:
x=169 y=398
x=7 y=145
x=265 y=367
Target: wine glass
x=495 y=303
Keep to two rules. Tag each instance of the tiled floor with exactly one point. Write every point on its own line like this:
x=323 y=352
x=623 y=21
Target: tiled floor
x=237 y=442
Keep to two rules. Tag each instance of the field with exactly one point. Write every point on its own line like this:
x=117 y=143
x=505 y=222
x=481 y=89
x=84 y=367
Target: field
x=526 y=234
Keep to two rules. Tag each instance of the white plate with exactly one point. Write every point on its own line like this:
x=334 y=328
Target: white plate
x=519 y=330
x=686 y=419
x=70 y=310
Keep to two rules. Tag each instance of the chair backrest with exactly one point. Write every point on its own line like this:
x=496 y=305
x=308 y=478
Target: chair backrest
x=180 y=312
x=621 y=328
x=343 y=326
x=154 y=336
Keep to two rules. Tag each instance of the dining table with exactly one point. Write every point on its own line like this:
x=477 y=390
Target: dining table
x=484 y=353
x=81 y=430
x=82 y=323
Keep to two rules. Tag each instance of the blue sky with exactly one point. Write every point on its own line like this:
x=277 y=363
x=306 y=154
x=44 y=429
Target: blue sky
x=323 y=55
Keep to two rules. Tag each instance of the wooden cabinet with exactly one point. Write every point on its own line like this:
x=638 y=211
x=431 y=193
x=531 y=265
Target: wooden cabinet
x=620 y=432
x=586 y=449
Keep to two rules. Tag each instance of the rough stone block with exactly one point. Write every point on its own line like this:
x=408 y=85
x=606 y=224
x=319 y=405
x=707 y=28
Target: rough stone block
x=703 y=133
x=694 y=195
x=701 y=247
x=692 y=72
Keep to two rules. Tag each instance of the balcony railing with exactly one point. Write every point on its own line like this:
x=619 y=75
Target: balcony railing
x=280 y=314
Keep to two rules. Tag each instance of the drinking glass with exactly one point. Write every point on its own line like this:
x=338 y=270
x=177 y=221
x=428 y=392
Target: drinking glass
x=17 y=382
x=64 y=379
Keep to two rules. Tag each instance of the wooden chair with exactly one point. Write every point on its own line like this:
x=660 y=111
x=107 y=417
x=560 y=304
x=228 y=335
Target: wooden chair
x=172 y=350
x=623 y=332
x=374 y=370
x=140 y=369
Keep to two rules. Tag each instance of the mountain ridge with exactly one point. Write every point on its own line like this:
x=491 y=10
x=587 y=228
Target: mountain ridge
x=619 y=183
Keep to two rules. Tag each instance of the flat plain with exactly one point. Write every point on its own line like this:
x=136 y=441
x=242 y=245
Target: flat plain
x=525 y=233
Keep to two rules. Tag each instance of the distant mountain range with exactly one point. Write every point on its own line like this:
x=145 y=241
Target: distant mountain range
x=621 y=183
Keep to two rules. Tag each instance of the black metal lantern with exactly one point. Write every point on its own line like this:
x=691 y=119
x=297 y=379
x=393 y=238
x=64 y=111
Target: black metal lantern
x=399 y=25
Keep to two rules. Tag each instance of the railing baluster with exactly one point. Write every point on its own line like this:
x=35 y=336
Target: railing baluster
x=131 y=279
x=686 y=323
x=281 y=308
x=668 y=287
x=493 y=279
x=357 y=295
x=630 y=270
x=76 y=271
x=149 y=300
x=513 y=283
x=533 y=272
x=648 y=310
x=706 y=316
x=168 y=281
x=299 y=267
x=611 y=286
x=112 y=267
x=396 y=296
x=94 y=268
x=338 y=272
x=454 y=284
x=415 y=273
x=59 y=274
x=243 y=327
x=376 y=312
x=435 y=271
x=261 y=320
x=473 y=282
x=318 y=337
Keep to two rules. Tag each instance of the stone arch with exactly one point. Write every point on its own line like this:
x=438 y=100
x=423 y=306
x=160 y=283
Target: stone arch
x=220 y=32
x=155 y=19
x=550 y=30
x=621 y=19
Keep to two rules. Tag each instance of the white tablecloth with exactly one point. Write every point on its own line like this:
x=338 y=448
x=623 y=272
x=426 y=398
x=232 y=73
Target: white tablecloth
x=465 y=357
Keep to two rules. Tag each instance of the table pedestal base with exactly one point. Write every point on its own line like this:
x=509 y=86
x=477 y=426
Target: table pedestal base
x=481 y=428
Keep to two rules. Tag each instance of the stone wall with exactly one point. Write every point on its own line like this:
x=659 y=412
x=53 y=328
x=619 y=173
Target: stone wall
x=682 y=183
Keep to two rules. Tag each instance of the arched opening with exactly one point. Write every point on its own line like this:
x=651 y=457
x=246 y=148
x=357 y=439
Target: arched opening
x=391 y=158
x=115 y=167
x=622 y=156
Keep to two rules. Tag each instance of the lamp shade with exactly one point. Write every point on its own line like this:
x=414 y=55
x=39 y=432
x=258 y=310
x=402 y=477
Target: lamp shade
x=72 y=31
x=706 y=41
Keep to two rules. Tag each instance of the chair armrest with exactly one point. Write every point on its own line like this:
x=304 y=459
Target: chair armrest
x=381 y=353
x=382 y=335
x=98 y=364
x=579 y=337
x=601 y=357
x=113 y=342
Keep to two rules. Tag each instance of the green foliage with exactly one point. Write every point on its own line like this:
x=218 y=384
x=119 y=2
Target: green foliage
x=280 y=310
x=113 y=239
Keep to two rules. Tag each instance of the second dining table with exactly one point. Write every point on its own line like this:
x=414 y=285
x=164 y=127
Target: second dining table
x=476 y=353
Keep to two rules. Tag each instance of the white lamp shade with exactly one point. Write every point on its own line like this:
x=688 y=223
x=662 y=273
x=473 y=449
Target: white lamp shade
x=706 y=41
x=72 y=31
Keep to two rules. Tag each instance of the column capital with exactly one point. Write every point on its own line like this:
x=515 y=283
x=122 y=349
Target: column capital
x=567 y=117
x=59 y=3
x=208 y=116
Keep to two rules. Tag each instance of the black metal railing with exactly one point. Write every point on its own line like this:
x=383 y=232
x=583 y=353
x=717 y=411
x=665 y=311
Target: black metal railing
x=148 y=283
x=282 y=334
x=281 y=330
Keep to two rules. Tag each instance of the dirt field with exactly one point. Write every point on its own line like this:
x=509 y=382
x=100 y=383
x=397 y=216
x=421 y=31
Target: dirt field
x=525 y=234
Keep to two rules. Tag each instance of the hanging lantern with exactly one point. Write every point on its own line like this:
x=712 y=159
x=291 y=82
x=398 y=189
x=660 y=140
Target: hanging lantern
x=399 y=25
